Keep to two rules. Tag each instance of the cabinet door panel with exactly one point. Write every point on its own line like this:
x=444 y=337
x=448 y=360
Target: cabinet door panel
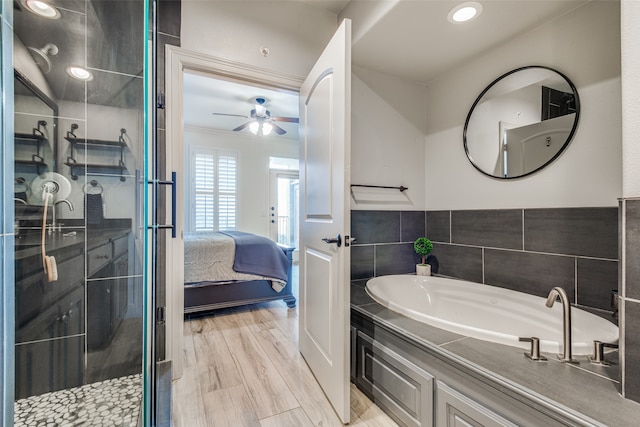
x=457 y=410
x=98 y=258
x=393 y=382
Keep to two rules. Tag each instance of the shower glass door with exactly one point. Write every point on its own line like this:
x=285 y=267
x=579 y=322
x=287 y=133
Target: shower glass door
x=80 y=344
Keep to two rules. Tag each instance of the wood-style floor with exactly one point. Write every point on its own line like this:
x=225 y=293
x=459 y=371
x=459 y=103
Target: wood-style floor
x=243 y=368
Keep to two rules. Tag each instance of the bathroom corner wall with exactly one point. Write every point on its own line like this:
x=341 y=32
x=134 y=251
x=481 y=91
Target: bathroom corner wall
x=387 y=141
x=527 y=250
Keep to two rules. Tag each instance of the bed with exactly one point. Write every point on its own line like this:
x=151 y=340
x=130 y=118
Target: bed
x=232 y=268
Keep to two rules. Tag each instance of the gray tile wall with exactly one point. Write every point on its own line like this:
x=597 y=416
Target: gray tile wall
x=528 y=250
x=630 y=298
x=384 y=242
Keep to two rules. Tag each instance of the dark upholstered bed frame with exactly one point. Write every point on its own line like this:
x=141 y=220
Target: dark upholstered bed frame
x=206 y=296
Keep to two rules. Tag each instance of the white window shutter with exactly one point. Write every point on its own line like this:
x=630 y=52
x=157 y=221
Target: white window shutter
x=215 y=186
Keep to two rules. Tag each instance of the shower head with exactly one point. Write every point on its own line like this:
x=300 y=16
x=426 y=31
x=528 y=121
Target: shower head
x=41 y=56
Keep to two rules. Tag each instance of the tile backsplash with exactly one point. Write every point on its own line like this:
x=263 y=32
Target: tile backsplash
x=528 y=250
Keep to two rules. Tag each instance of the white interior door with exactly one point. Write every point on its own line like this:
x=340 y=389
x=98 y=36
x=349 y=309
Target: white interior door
x=325 y=111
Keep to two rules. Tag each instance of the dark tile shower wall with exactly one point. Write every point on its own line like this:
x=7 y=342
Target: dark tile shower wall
x=528 y=250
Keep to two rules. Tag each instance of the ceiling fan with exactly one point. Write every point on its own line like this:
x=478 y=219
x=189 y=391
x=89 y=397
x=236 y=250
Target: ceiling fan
x=262 y=122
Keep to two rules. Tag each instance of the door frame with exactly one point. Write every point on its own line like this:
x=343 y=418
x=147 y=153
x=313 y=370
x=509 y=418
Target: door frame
x=179 y=60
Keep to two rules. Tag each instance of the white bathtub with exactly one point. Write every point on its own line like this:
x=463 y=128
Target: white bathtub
x=488 y=313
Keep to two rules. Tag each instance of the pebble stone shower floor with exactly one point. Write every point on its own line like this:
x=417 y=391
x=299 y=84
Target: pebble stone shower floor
x=114 y=402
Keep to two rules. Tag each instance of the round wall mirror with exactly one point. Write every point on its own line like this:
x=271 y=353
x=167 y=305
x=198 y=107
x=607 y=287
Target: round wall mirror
x=521 y=122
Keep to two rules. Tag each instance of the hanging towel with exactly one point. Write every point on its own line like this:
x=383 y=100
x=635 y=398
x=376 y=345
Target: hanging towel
x=93 y=208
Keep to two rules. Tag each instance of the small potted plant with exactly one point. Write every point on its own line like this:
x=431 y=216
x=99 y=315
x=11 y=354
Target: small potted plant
x=423 y=247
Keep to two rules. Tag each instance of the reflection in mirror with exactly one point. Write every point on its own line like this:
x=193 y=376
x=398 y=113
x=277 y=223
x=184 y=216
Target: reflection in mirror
x=35 y=143
x=521 y=122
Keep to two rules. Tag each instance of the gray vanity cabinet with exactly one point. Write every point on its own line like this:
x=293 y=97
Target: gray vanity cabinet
x=457 y=410
x=49 y=350
x=402 y=388
x=107 y=294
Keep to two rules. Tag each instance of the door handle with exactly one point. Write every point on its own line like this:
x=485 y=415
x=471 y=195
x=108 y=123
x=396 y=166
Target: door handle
x=174 y=211
x=337 y=240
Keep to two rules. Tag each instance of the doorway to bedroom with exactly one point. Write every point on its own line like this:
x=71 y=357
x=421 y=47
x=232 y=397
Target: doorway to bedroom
x=241 y=159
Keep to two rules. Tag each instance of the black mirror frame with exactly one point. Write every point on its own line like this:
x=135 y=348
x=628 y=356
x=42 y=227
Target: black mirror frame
x=560 y=151
x=50 y=103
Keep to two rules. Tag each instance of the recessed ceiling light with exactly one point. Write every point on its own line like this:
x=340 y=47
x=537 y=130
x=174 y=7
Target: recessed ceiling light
x=42 y=9
x=465 y=12
x=79 y=73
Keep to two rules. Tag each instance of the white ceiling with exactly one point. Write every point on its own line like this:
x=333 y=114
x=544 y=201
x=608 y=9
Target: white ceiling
x=414 y=39
x=204 y=95
x=334 y=6
x=411 y=39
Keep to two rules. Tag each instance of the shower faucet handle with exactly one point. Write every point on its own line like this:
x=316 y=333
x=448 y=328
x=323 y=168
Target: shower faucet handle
x=535 y=348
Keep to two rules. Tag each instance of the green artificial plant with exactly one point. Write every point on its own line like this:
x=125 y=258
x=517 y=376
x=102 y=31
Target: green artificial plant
x=423 y=247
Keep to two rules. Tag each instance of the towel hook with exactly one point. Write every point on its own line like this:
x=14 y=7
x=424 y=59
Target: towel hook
x=93 y=184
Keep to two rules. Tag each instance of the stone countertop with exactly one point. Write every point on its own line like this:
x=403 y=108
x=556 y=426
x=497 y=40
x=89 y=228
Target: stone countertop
x=584 y=388
x=30 y=244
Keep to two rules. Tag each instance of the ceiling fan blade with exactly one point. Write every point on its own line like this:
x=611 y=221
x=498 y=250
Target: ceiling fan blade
x=277 y=129
x=286 y=119
x=243 y=126
x=232 y=115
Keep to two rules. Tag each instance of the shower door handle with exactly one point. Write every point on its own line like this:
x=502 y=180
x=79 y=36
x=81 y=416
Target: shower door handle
x=174 y=188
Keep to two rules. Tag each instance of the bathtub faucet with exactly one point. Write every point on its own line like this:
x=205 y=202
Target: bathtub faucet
x=556 y=293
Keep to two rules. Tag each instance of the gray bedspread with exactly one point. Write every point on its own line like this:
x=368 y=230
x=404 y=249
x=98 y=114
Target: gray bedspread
x=209 y=258
x=258 y=255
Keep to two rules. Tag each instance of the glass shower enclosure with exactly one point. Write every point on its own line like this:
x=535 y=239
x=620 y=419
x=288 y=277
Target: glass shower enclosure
x=75 y=295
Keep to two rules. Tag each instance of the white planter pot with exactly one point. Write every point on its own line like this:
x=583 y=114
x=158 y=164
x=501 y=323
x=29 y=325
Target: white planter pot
x=423 y=269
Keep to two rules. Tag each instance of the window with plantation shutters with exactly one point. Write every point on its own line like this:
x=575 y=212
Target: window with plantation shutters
x=214 y=190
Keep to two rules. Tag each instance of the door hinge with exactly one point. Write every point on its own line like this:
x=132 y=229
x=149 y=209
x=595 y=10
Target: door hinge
x=160 y=315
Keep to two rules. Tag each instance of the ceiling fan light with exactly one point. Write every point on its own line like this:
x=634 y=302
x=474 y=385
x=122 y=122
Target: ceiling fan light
x=253 y=127
x=261 y=111
x=266 y=128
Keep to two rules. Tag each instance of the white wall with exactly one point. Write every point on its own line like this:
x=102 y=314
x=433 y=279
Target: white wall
x=253 y=170
x=294 y=32
x=631 y=97
x=387 y=146
x=585 y=46
x=102 y=123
